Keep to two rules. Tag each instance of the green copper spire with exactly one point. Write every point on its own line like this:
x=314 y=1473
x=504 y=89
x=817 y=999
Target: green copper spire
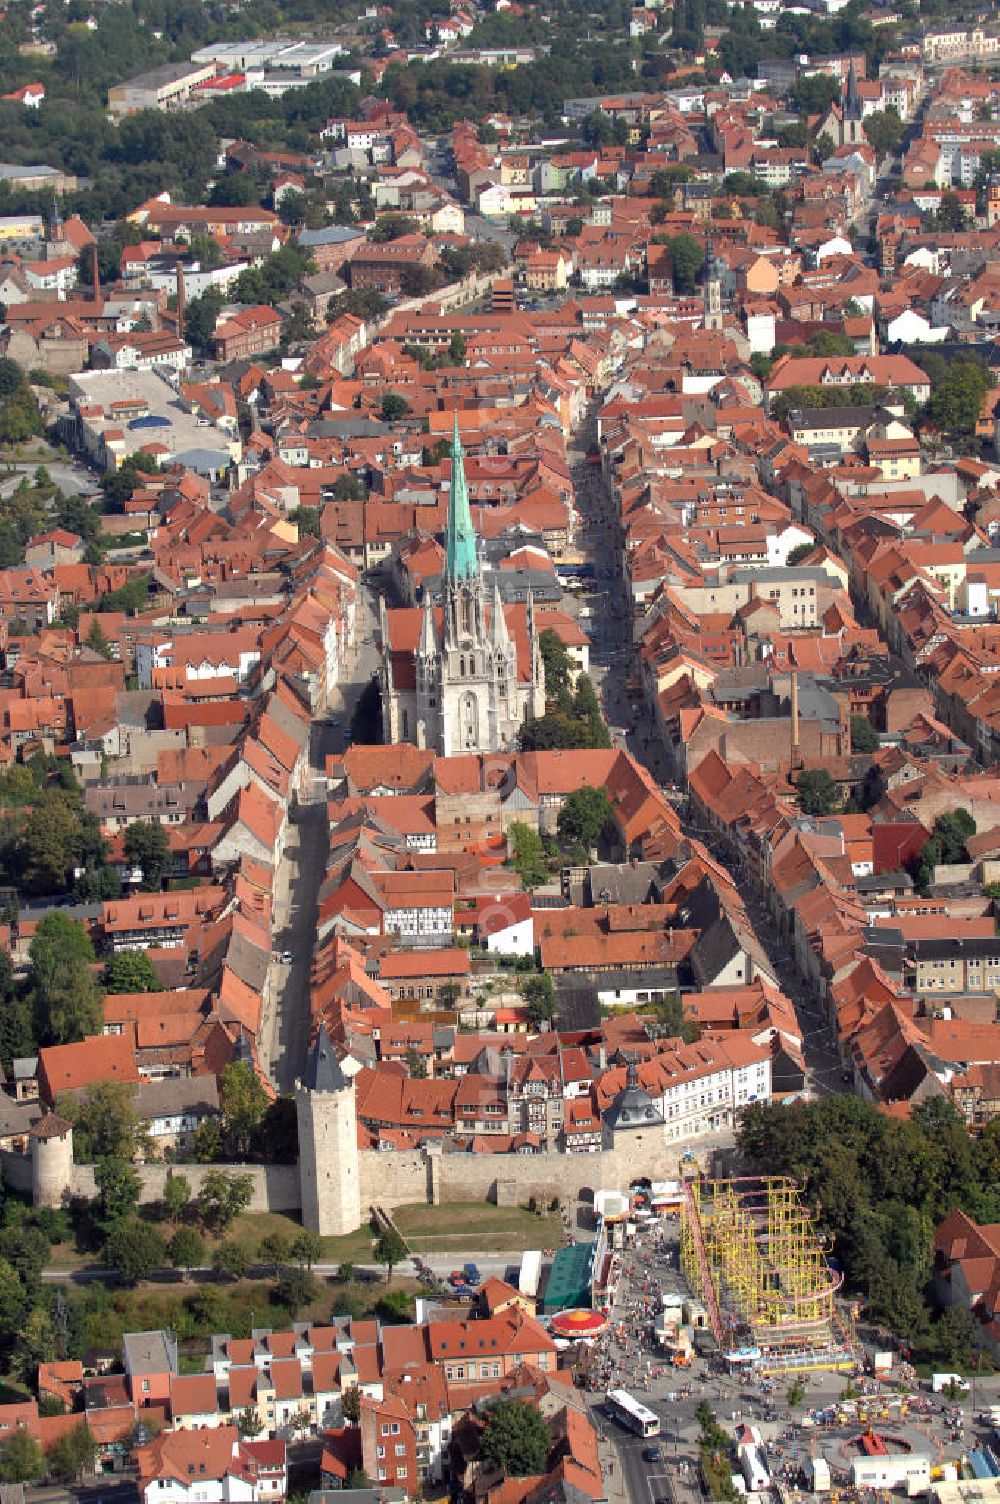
x=460 y=544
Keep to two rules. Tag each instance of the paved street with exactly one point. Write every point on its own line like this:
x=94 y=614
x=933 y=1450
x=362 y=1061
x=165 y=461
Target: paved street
x=286 y=1027
x=71 y=478
x=613 y=662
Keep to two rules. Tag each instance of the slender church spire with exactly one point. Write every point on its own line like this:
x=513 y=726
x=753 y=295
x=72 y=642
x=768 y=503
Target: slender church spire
x=428 y=636
x=498 y=622
x=460 y=545
x=853 y=108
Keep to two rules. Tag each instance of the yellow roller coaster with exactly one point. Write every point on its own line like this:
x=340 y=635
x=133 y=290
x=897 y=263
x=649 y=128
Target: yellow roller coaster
x=751 y=1250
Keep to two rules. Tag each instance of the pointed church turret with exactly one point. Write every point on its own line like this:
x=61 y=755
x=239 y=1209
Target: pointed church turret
x=853 y=108
x=499 y=636
x=461 y=561
x=428 y=636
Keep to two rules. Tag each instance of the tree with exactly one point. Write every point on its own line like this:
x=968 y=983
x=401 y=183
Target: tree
x=884 y=130
x=390 y=1250
x=299 y=326
x=17 y=1036
x=515 y=1438
x=955 y=1335
x=130 y=971
x=558 y=669
x=237 y=190
x=817 y=791
x=243 y=1101
x=946 y=845
x=105 y=1122
x=540 y=997
x=351 y=1403
x=96 y=640
x=671 y=1020
x=48 y=843
x=456 y=347
x=394 y=407
x=200 y=319
x=798 y=553
x=223 y=1197
x=208 y=1141
x=21 y=1458
x=134 y=1249
x=186 y=1248
x=147 y=845
x=583 y=816
x=526 y=854
x=307 y=1248
x=13 y=1298
x=67 y=1003
x=392 y=227
x=274 y=1249
x=73 y=1453
x=231 y=1260
x=176 y=1195
x=686 y=257
x=395 y=1307
x=957 y=397
x=118 y=1189
x=294 y=1288
x=36 y=1343
x=950 y=215
x=864 y=737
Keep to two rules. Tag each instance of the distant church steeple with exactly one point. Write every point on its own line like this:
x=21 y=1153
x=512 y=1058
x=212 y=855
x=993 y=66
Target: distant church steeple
x=712 y=292
x=461 y=561
x=852 y=130
x=853 y=108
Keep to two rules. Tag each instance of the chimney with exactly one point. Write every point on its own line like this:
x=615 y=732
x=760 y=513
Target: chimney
x=95 y=273
x=181 y=300
x=795 y=719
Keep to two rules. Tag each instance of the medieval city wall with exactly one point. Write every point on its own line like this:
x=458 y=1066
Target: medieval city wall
x=392 y=1180
x=275 y=1187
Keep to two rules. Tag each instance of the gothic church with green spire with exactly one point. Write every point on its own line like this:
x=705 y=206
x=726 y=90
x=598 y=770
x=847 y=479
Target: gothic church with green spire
x=464 y=675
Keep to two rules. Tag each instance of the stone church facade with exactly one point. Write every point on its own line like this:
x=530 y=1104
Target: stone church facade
x=465 y=675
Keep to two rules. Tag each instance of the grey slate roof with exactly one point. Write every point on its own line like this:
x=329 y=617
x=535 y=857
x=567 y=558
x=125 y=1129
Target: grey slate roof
x=323 y=1072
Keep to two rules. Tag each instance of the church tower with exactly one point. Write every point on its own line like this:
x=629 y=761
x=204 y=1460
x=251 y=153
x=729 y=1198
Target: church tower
x=468 y=698
x=712 y=292
x=852 y=131
x=326 y=1116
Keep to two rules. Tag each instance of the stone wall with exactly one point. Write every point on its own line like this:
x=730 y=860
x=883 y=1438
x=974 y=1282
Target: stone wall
x=393 y=1180
x=276 y=1187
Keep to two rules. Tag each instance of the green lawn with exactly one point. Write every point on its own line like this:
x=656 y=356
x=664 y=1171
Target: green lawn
x=457 y=1226
x=476 y=1226
x=352 y=1248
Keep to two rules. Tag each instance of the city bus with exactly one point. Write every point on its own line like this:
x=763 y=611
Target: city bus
x=628 y=1412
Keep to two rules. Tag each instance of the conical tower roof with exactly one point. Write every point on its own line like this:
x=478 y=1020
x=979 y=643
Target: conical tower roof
x=323 y=1072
